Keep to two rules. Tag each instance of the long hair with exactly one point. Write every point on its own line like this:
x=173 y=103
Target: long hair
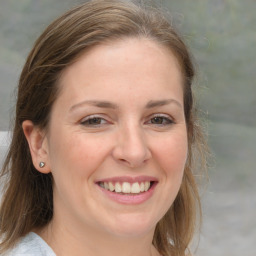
x=27 y=200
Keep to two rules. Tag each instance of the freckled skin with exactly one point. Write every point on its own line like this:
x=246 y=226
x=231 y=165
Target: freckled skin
x=129 y=74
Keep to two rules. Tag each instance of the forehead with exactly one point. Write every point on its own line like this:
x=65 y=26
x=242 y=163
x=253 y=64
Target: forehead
x=129 y=62
x=132 y=48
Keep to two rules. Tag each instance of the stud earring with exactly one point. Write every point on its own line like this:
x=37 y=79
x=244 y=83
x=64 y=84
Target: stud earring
x=41 y=164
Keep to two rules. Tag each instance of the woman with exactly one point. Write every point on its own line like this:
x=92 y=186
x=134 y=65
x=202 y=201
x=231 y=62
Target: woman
x=105 y=139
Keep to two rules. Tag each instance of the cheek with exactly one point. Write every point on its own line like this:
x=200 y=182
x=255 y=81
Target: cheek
x=74 y=160
x=76 y=154
x=172 y=154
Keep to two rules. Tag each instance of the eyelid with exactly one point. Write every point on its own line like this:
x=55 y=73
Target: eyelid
x=170 y=119
x=90 y=117
x=161 y=115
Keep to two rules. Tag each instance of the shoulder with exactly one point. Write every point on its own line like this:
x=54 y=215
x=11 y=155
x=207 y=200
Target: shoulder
x=31 y=245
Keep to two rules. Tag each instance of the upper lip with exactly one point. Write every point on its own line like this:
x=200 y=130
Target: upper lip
x=129 y=179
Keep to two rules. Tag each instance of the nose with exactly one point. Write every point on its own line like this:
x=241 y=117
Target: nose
x=131 y=147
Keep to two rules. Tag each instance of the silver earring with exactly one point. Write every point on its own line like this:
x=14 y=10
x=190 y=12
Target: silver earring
x=41 y=164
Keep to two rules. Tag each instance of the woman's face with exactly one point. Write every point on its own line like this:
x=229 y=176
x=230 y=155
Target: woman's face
x=117 y=140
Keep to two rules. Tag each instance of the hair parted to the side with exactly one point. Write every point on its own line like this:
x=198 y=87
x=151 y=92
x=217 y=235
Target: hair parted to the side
x=27 y=200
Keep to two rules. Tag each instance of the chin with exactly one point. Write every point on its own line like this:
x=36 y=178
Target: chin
x=133 y=226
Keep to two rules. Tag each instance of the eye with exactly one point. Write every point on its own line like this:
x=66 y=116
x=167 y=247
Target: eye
x=160 y=120
x=93 y=121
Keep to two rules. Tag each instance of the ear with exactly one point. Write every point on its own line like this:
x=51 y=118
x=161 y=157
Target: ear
x=38 y=146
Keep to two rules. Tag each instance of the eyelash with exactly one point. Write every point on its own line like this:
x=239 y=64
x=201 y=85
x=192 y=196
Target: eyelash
x=94 y=118
x=166 y=120
x=86 y=121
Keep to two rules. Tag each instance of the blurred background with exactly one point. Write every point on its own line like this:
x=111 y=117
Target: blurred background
x=221 y=35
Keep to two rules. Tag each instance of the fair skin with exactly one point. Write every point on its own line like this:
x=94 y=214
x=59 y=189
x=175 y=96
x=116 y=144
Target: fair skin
x=119 y=118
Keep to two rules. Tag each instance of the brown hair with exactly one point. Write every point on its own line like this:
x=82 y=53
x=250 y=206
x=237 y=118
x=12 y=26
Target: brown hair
x=27 y=200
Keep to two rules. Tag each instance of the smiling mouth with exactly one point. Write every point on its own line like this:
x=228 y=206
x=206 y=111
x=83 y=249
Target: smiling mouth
x=125 y=188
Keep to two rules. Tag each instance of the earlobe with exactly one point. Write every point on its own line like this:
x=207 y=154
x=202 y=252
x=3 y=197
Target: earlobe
x=38 y=146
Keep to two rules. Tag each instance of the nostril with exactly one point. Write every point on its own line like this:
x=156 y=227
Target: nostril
x=133 y=163
x=124 y=161
x=127 y=163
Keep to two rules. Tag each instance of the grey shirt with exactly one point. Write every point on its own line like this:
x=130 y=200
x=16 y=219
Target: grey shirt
x=31 y=245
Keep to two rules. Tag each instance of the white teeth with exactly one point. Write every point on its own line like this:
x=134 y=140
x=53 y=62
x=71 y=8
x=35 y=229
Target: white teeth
x=126 y=187
x=147 y=185
x=142 y=186
x=118 y=187
x=135 y=188
x=106 y=185
x=111 y=186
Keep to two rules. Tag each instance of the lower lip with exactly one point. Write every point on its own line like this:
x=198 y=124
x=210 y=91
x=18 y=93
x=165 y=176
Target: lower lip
x=129 y=198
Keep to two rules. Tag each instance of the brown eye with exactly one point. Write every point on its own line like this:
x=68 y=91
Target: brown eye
x=93 y=121
x=157 y=120
x=161 y=120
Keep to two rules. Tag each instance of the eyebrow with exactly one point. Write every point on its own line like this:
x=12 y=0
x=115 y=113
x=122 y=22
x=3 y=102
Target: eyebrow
x=110 y=105
x=159 y=103
x=96 y=103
